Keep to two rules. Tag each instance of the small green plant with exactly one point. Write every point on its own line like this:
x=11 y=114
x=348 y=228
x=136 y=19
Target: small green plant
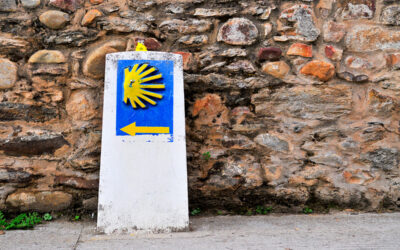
x=219 y=212
x=3 y=222
x=249 y=212
x=77 y=217
x=195 y=211
x=206 y=156
x=307 y=210
x=263 y=210
x=47 y=217
x=22 y=221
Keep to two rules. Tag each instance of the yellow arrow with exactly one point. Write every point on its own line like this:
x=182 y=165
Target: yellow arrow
x=132 y=129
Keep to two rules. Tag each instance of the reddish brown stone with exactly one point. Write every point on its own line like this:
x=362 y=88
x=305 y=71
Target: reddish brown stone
x=238 y=31
x=187 y=58
x=150 y=43
x=333 y=53
x=210 y=110
x=394 y=60
x=69 y=5
x=355 y=177
x=300 y=49
x=322 y=70
x=269 y=54
x=90 y=16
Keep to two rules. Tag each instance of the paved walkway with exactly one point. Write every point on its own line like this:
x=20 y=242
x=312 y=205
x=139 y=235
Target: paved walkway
x=334 y=231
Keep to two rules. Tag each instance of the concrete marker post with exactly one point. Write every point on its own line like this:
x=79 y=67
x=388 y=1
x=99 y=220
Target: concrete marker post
x=143 y=175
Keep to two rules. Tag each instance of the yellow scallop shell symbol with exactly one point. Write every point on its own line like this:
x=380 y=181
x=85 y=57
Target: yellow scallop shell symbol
x=134 y=89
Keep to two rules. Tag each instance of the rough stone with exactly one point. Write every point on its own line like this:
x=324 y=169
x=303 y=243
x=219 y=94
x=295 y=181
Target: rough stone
x=54 y=19
x=276 y=69
x=269 y=54
x=202 y=12
x=352 y=78
x=364 y=38
x=193 y=40
x=241 y=66
x=68 y=5
x=384 y=158
x=391 y=15
x=90 y=204
x=33 y=144
x=19 y=111
x=150 y=43
x=76 y=182
x=272 y=142
x=13 y=45
x=324 y=8
x=360 y=78
x=300 y=49
x=81 y=105
x=210 y=110
x=381 y=105
x=90 y=16
x=238 y=31
x=322 y=70
x=8 y=5
x=14 y=176
x=125 y=25
x=186 y=27
x=334 y=32
x=308 y=102
x=187 y=58
x=47 y=56
x=299 y=24
x=232 y=53
x=48 y=69
x=355 y=9
x=267 y=29
x=30 y=4
x=366 y=63
x=394 y=60
x=267 y=12
x=94 y=63
x=245 y=168
x=8 y=74
x=214 y=67
x=44 y=201
x=71 y=38
x=333 y=53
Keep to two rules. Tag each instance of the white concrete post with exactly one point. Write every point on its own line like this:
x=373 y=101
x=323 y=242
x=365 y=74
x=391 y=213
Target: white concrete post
x=143 y=177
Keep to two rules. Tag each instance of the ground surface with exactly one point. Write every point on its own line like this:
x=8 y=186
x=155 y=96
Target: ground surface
x=333 y=231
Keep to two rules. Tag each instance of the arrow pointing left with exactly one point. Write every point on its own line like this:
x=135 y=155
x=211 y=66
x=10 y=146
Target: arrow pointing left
x=132 y=129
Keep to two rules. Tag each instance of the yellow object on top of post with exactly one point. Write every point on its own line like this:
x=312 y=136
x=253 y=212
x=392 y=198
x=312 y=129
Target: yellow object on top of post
x=141 y=47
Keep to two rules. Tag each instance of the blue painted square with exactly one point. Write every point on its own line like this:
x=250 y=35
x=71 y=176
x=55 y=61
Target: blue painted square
x=159 y=115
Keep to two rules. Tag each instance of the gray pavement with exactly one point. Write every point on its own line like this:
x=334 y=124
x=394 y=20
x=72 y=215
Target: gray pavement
x=331 y=231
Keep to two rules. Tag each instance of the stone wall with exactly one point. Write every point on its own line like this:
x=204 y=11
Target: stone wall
x=288 y=103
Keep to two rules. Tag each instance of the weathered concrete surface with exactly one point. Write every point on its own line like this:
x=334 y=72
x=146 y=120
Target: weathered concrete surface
x=333 y=231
